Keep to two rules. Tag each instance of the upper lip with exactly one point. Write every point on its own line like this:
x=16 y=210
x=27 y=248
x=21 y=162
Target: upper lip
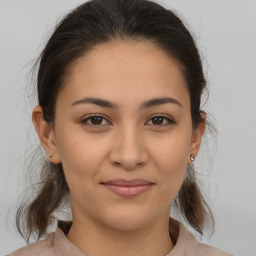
x=123 y=182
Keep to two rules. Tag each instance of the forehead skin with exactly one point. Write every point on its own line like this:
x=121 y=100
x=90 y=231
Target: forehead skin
x=129 y=71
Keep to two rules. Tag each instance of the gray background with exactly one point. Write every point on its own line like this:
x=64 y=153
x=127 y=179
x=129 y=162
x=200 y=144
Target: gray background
x=226 y=35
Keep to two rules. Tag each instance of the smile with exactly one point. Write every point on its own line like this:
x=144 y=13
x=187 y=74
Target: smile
x=128 y=188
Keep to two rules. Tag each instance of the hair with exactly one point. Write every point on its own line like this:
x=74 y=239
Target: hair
x=91 y=24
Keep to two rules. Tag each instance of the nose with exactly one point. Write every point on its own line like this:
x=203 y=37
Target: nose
x=128 y=149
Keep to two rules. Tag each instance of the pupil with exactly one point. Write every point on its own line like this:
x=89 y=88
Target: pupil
x=98 y=120
x=158 y=119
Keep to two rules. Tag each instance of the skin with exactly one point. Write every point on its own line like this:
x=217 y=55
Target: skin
x=127 y=144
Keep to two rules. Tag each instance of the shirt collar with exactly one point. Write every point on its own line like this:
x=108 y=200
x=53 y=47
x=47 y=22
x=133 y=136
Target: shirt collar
x=61 y=244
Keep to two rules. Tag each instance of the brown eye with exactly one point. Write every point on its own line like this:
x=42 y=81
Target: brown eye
x=161 y=121
x=157 y=120
x=93 y=120
x=96 y=120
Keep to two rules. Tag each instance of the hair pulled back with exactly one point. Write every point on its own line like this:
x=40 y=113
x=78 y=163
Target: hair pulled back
x=93 y=23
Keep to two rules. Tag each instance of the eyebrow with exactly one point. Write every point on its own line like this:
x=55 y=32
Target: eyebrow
x=144 y=105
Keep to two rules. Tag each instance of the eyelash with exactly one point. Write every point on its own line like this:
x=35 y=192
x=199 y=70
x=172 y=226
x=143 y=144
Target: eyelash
x=169 y=120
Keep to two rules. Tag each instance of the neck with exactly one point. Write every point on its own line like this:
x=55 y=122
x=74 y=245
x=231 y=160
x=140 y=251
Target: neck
x=94 y=238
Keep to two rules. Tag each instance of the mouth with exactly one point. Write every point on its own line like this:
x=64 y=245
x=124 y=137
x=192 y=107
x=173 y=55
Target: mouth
x=128 y=188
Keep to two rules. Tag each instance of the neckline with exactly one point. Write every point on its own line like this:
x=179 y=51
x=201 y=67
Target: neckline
x=184 y=241
x=174 y=227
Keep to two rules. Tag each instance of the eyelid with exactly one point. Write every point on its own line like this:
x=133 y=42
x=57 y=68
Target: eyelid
x=88 y=117
x=168 y=118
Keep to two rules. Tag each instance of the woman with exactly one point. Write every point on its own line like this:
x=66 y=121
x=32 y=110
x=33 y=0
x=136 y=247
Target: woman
x=119 y=90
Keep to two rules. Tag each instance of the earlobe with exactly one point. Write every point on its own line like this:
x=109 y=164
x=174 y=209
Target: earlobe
x=46 y=135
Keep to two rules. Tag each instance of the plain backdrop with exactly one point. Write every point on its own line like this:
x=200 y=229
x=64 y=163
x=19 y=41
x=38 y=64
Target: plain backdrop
x=225 y=31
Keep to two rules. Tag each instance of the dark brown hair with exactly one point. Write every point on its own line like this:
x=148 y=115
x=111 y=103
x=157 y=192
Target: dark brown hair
x=93 y=23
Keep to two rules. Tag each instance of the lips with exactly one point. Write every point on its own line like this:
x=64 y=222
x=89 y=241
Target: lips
x=128 y=188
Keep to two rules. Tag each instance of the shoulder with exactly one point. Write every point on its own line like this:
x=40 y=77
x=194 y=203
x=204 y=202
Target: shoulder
x=42 y=247
x=204 y=249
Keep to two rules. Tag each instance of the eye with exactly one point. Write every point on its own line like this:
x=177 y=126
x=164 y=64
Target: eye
x=161 y=120
x=94 y=120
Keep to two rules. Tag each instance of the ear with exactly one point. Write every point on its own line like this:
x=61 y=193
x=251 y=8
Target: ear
x=197 y=135
x=46 y=135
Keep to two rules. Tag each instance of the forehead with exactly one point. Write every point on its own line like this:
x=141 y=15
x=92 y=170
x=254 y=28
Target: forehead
x=125 y=70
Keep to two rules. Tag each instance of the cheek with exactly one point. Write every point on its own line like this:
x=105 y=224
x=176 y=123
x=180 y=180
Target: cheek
x=81 y=158
x=171 y=160
x=172 y=151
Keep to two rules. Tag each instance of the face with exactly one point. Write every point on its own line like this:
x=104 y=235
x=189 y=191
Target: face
x=130 y=138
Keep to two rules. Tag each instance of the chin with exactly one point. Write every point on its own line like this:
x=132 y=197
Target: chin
x=127 y=225
x=126 y=221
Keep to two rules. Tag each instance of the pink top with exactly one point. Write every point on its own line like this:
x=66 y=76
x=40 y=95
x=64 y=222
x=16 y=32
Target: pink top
x=57 y=244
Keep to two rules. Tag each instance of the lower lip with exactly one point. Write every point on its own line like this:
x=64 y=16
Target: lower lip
x=128 y=191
